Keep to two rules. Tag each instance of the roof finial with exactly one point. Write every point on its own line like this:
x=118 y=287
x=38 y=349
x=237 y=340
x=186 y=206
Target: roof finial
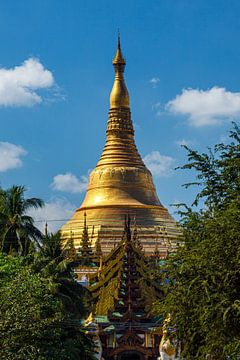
x=119 y=59
x=119 y=42
x=119 y=97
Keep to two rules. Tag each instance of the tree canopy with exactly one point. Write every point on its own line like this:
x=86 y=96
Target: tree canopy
x=17 y=230
x=204 y=294
x=41 y=304
x=33 y=321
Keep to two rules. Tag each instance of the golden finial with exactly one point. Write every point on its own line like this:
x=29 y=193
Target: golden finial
x=119 y=95
x=119 y=59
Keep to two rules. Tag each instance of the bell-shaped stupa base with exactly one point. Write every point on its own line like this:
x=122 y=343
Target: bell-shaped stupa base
x=156 y=229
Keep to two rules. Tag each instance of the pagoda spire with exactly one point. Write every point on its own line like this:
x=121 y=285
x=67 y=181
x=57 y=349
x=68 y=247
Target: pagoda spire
x=120 y=177
x=120 y=148
x=121 y=183
x=71 y=251
x=119 y=59
x=135 y=238
x=86 y=249
x=98 y=250
x=119 y=96
x=127 y=228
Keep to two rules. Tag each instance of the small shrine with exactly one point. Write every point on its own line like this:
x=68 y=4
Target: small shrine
x=124 y=290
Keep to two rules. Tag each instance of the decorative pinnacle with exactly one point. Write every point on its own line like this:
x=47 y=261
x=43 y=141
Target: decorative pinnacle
x=119 y=59
x=119 y=97
x=127 y=228
x=119 y=39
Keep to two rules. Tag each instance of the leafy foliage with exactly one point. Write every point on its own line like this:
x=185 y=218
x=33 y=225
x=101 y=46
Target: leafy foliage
x=41 y=306
x=204 y=295
x=17 y=230
x=53 y=263
x=217 y=172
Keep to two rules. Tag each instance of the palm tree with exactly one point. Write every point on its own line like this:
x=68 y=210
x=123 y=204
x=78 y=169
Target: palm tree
x=54 y=263
x=17 y=230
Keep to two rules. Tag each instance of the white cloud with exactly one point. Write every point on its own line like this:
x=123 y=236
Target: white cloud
x=69 y=183
x=158 y=108
x=209 y=107
x=18 y=85
x=185 y=142
x=10 y=156
x=159 y=165
x=154 y=81
x=55 y=213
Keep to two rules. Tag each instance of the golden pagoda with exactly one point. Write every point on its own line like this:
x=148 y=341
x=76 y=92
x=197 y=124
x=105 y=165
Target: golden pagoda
x=122 y=185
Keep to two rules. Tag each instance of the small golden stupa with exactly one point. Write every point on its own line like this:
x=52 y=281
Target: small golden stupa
x=121 y=185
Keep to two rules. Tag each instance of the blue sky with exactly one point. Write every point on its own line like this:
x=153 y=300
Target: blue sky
x=182 y=73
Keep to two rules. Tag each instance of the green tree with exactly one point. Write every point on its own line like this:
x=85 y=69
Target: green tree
x=204 y=295
x=34 y=323
x=17 y=230
x=53 y=263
